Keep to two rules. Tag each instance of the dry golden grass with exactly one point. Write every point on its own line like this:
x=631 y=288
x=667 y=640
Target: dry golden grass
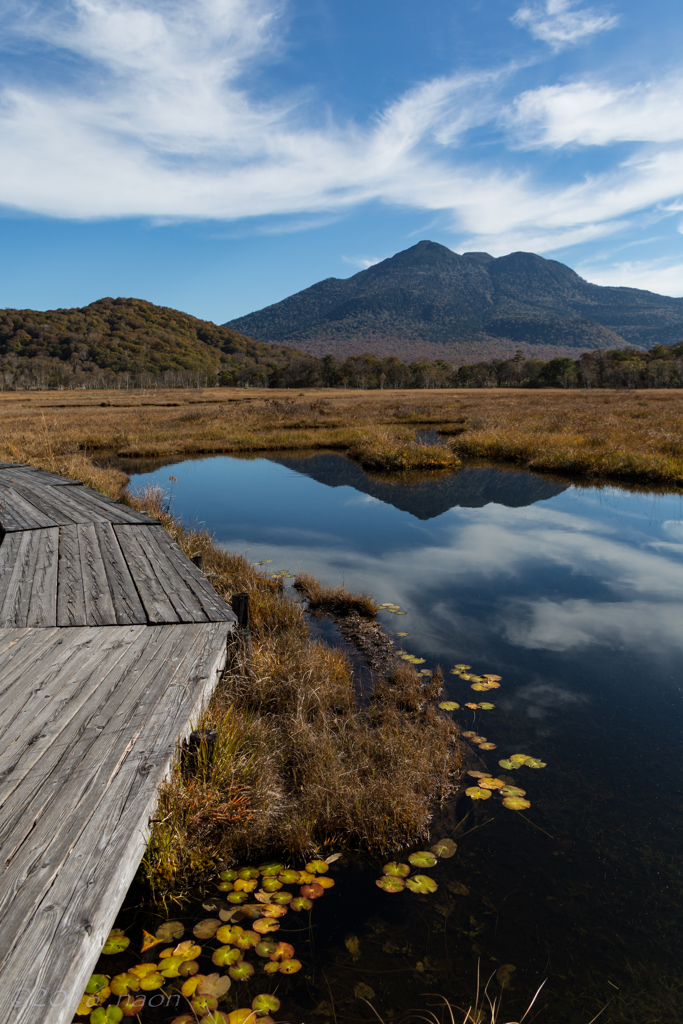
x=632 y=435
x=297 y=766
x=335 y=600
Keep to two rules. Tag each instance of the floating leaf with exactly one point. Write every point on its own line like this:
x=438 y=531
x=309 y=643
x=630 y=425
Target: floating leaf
x=292 y=966
x=403 y=634
x=520 y=758
x=131 y=1006
x=263 y=925
x=480 y=775
x=472 y=707
x=170 y=967
x=170 y=930
x=422 y=859
x=491 y=678
x=488 y=746
x=237 y=897
x=305 y=877
x=266 y=947
x=419 y=661
x=275 y=910
x=282 y=951
x=241 y=971
x=165 y=953
x=282 y=898
x=106 y=1015
x=122 y=984
x=487 y=707
x=270 y=885
x=512 y=791
x=215 y=1017
x=229 y=875
x=227 y=933
x=449 y=705
x=204 y=1004
x=508 y=765
x=155 y=980
x=214 y=985
x=479 y=686
x=225 y=886
x=491 y=783
x=312 y=891
x=188 y=950
x=87 y=1004
x=301 y=903
x=189 y=987
x=240 y=1017
x=248 y=940
x=327 y=883
x=478 y=739
x=251 y=910
x=492 y=686
x=272 y=967
x=149 y=940
x=97 y=982
x=332 y=858
x=288 y=877
x=226 y=955
x=516 y=803
x=245 y=884
x=248 y=873
x=390 y=883
x=469 y=734
x=463 y=668
x=394 y=868
x=207 y=928
x=318 y=867
x=271 y=868
x=458 y=888
x=533 y=762
x=116 y=943
x=478 y=794
x=444 y=848
x=264 y=1003
x=421 y=884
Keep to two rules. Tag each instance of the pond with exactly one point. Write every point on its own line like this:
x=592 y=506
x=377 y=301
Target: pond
x=574 y=596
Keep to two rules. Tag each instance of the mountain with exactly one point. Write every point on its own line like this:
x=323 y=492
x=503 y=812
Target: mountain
x=128 y=337
x=428 y=301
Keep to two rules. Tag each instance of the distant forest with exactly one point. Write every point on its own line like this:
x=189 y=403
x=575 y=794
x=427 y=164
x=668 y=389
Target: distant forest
x=130 y=343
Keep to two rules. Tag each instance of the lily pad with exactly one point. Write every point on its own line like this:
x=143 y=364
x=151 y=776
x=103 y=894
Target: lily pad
x=301 y=903
x=478 y=794
x=288 y=877
x=488 y=746
x=282 y=951
x=312 y=891
x=245 y=884
x=97 y=982
x=291 y=966
x=327 y=883
x=520 y=758
x=395 y=868
x=215 y=1017
x=151 y=982
x=266 y=947
x=318 y=867
x=272 y=967
x=227 y=933
x=241 y=971
x=263 y=925
x=508 y=765
x=189 y=987
x=214 y=985
x=237 y=897
x=463 y=668
x=516 y=803
x=403 y=634
x=449 y=705
x=533 y=762
x=252 y=911
x=271 y=884
x=187 y=969
x=282 y=898
x=422 y=859
x=390 y=883
x=472 y=707
x=271 y=868
x=305 y=877
x=264 y=1003
x=444 y=848
x=491 y=678
x=225 y=886
x=512 y=791
x=248 y=940
x=207 y=928
x=148 y=940
x=142 y=969
x=248 y=873
x=487 y=707
x=480 y=775
x=170 y=966
x=478 y=739
x=188 y=950
x=106 y=1015
x=204 y=1004
x=170 y=930
x=421 y=884
x=469 y=734
x=122 y=984
x=116 y=943
x=275 y=910
x=226 y=955
x=131 y=1006
x=491 y=685
x=491 y=783
x=479 y=687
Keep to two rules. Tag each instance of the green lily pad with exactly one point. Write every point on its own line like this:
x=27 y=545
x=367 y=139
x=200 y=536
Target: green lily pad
x=226 y=955
x=491 y=678
x=488 y=746
x=228 y=876
x=449 y=705
x=394 y=868
x=390 y=883
x=122 y=984
x=301 y=903
x=264 y=1003
x=508 y=765
x=266 y=947
x=106 y=1015
x=204 y=1004
x=237 y=897
x=248 y=873
x=491 y=783
x=97 y=982
x=272 y=967
x=292 y=966
x=516 y=803
x=480 y=775
x=116 y=943
x=271 y=884
x=248 y=940
x=422 y=859
x=154 y=980
x=463 y=668
x=469 y=734
x=421 y=884
x=241 y=971
x=478 y=739
x=318 y=867
x=444 y=848
x=225 y=886
x=131 y=1006
x=419 y=661
x=533 y=762
x=169 y=967
x=520 y=758
x=512 y=791
x=288 y=877
x=227 y=933
x=271 y=868
x=487 y=707
x=281 y=898
x=403 y=634
x=475 y=793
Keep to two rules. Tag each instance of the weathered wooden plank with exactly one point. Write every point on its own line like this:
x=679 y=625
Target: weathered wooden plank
x=43 y=500
x=188 y=608
x=213 y=604
x=41 y=608
x=18 y=594
x=16 y=513
x=70 y=596
x=100 y=508
x=75 y=910
x=9 y=550
x=44 y=475
x=99 y=607
x=127 y=605
x=133 y=541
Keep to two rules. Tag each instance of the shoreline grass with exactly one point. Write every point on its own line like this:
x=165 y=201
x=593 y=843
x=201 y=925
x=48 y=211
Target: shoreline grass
x=632 y=436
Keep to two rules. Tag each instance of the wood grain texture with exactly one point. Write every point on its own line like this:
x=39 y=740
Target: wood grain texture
x=127 y=604
x=134 y=541
x=70 y=595
x=99 y=607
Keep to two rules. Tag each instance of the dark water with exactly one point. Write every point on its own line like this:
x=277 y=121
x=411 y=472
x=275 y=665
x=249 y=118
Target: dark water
x=574 y=595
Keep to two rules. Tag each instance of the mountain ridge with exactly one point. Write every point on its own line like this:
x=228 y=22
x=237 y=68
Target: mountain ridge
x=428 y=301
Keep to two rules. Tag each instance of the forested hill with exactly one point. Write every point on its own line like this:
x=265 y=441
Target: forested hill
x=114 y=338
x=429 y=302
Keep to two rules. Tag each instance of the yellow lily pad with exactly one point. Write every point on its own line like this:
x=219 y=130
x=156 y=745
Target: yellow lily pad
x=475 y=793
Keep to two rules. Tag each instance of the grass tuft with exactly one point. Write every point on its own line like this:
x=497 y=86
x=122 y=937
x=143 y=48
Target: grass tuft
x=334 y=600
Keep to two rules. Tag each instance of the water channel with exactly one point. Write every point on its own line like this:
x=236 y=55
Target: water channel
x=574 y=595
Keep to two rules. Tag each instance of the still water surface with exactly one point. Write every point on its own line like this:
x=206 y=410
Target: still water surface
x=574 y=595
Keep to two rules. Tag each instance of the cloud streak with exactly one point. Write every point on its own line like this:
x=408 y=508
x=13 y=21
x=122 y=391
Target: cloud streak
x=559 y=23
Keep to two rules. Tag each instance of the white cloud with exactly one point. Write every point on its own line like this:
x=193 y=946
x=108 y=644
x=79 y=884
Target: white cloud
x=591 y=114
x=653 y=275
x=569 y=625
x=362 y=261
x=559 y=24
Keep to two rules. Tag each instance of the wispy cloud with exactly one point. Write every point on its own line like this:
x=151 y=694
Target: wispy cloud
x=655 y=275
x=363 y=262
x=559 y=23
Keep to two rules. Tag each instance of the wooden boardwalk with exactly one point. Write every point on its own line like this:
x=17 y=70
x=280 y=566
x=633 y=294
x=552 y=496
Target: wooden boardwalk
x=111 y=642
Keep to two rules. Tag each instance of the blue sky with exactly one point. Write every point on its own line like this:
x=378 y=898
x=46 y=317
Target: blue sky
x=218 y=155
